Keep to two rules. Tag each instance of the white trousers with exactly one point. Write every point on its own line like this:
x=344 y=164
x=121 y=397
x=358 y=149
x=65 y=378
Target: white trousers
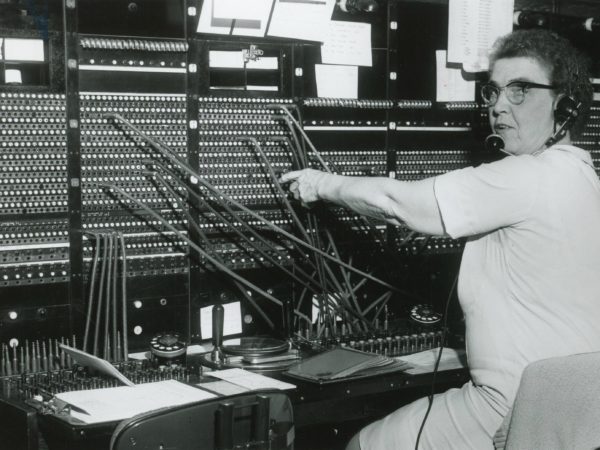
x=460 y=419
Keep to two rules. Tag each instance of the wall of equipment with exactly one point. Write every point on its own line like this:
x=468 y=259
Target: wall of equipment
x=138 y=180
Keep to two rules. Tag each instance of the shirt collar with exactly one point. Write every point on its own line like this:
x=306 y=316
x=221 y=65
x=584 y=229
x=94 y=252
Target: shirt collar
x=579 y=153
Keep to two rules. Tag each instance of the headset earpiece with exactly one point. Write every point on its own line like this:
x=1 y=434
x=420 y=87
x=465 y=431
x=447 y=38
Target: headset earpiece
x=566 y=109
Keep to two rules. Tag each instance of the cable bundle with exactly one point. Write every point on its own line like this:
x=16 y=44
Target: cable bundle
x=320 y=269
x=107 y=301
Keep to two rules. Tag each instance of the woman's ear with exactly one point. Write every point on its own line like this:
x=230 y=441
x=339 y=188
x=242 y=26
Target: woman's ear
x=557 y=100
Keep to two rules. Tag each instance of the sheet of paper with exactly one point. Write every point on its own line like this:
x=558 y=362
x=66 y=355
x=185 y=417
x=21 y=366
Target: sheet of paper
x=263 y=63
x=24 y=49
x=250 y=27
x=347 y=43
x=197 y=349
x=424 y=362
x=118 y=403
x=335 y=81
x=232 y=320
x=209 y=23
x=242 y=9
x=85 y=359
x=223 y=387
x=450 y=83
x=12 y=76
x=473 y=26
x=250 y=380
x=226 y=59
x=301 y=19
x=235 y=60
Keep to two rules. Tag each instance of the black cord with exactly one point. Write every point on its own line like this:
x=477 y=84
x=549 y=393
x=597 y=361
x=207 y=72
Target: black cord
x=437 y=362
x=183 y=166
x=90 y=305
x=191 y=243
x=124 y=296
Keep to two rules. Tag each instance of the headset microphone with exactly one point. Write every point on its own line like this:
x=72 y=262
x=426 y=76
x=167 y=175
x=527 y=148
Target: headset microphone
x=494 y=142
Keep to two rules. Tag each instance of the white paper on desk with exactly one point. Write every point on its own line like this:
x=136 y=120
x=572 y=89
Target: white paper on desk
x=473 y=26
x=301 y=19
x=335 y=81
x=223 y=387
x=209 y=23
x=85 y=359
x=450 y=84
x=347 y=43
x=118 y=403
x=424 y=362
x=242 y=9
x=250 y=380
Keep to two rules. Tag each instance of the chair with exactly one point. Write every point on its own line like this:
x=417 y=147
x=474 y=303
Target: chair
x=260 y=420
x=557 y=405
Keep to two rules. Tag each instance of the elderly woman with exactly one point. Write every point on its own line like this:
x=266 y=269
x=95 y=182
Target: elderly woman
x=529 y=282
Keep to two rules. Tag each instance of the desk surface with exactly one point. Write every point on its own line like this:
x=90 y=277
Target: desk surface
x=315 y=405
x=366 y=398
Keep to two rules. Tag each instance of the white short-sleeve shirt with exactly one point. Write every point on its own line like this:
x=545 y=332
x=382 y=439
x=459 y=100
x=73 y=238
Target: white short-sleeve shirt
x=529 y=281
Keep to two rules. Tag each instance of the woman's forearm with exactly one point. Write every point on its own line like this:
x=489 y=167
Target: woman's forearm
x=395 y=201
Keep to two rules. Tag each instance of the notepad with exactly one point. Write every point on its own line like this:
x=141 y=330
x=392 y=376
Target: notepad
x=250 y=380
x=424 y=362
x=344 y=363
x=123 y=402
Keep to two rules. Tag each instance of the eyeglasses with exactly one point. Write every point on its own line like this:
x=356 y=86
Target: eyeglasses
x=515 y=91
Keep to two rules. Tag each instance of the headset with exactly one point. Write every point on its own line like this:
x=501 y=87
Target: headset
x=566 y=111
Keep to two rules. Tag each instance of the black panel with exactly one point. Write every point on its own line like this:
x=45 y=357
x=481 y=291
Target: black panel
x=422 y=29
x=157 y=18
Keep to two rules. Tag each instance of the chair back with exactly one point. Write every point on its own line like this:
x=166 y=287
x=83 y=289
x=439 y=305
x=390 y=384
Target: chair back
x=261 y=420
x=557 y=405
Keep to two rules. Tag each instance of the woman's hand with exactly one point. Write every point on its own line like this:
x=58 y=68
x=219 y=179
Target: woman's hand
x=306 y=185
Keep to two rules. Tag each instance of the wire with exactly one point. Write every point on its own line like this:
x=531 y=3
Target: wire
x=305 y=136
x=345 y=275
x=109 y=282
x=238 y=232
x=313 y=225
x=437 y=361
x=201 y=234
x=283 y=196
x=169 y=154
x=383 y=298
x=315 y=246
x=114 y=296
x=90 y=306
x=124 y=296
x=101 y=243
x=327 y=166
x=192 y=244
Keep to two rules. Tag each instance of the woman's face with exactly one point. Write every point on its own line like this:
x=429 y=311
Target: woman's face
x=526 y=127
